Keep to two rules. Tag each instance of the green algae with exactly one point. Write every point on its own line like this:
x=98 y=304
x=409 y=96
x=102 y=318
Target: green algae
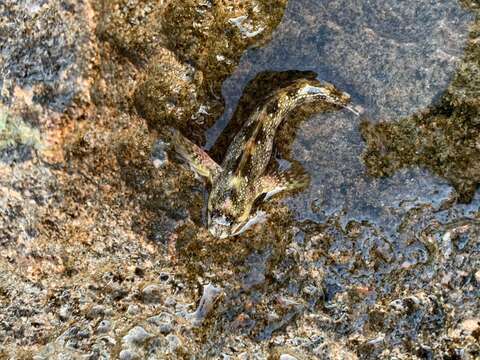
x=16 y=132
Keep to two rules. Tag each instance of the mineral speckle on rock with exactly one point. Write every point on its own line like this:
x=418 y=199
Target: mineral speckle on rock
x=47 y=53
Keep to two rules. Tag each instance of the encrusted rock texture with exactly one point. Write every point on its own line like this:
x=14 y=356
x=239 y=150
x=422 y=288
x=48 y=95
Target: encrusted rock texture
x=103 y=249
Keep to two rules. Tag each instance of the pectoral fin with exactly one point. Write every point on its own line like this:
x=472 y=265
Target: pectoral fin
x=271 y=185
x=199 y=161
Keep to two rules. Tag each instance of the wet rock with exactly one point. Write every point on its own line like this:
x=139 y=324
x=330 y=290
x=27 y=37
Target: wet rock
x=169 y=95
x=47 y=55
x=133 y=27
x=256 y=275
x=75 y=233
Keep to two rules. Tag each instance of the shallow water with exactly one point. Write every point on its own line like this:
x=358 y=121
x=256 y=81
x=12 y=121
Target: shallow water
x=394 y=59
x=329 y=147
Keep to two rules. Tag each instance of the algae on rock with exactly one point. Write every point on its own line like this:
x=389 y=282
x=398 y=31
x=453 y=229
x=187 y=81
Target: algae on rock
x=445 y=138
x=15 y=135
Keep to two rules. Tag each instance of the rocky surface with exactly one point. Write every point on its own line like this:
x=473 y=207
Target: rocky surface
x=103 y=252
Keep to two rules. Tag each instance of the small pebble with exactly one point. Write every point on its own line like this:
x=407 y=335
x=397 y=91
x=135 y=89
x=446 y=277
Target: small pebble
x=164 y=276
x=96 y=311
x=83 y=334
x=447 y=244
x=71 y=344
x=166 y=328
x=287 y=357
x=159 y=154
x=170 y=301
x=397 y=305
x=127 y=355
x=133 y=309
x=104 y=326
x=64 y=312
x=163 y=321
x=173 y=342
x=243 y=356
x=152 y=294
x=137 y=335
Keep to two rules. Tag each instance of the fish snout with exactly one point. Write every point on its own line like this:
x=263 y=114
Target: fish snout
x=219 y=231
x=219 y=227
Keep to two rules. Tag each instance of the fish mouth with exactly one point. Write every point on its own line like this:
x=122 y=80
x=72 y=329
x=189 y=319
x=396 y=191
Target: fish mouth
x=219 y=231
x=258 y=218
x=219 y=227
x=222 y=229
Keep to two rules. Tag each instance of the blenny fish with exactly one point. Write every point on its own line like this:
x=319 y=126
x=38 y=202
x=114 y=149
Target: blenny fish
x=242 y=180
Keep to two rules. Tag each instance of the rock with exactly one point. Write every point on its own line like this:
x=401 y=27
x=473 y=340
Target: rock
x=174 y=342
x=104 y=326
x=164 y=322
x=83 y=238
x=128 y=355
x=133 y=309
x=136 y=335
x=64 y=313
x=287 y=357
x=164 y=276
x=169 y=83
x=447 y=245
x=47 y=54
x=96 y=311
x=170 y=301
x=471 y=325
x=166 y=328
x=159 y=155
x=152 y=294
x=243 y=356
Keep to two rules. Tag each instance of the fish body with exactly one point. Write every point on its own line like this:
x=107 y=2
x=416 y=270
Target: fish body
x=242 y=177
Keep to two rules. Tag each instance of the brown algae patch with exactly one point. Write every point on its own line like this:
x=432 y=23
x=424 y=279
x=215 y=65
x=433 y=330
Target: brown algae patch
x=447 y=145
x=133 y=27
x=444 y=138
x=206 y=41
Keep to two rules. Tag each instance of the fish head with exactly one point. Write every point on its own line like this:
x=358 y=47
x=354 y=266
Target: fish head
x=229 y=211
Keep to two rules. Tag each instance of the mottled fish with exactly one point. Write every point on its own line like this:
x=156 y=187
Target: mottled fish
x=242 y=177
